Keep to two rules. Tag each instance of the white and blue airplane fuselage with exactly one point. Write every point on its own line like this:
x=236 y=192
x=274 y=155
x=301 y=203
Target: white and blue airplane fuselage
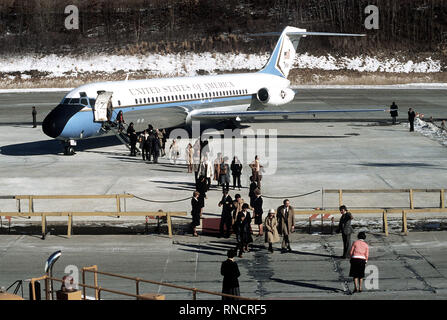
x=176 y=102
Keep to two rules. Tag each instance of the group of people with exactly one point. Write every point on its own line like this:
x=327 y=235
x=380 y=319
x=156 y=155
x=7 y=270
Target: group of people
x=152 y=142
x=219 y=170
x=411 y=116
x=283 y=222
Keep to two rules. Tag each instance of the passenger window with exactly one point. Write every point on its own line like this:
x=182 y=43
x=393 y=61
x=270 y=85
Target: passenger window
x=119 y=102
x=136 y=101
x=144 y=100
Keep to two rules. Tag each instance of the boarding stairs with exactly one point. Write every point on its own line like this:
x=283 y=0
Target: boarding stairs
x=120 y=134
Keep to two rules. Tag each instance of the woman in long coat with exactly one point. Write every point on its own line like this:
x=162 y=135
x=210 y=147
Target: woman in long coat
x=230 y=272
x=271 y=226
x=196 y=212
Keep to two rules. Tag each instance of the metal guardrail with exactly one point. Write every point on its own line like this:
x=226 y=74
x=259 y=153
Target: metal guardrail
x=118 y=198
x=98 y=289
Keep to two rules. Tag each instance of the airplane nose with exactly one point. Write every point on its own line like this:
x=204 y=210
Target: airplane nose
x=55 y=121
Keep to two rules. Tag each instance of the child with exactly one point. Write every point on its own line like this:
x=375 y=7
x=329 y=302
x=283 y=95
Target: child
x=359 y=257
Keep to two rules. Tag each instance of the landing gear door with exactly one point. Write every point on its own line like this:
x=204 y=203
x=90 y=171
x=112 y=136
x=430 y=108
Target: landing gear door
x=102 y=107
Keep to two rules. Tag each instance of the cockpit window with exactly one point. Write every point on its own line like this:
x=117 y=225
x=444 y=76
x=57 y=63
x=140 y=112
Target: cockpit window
x=74 y=101
x=84 y=101
x=66 y=101
x=92 y=102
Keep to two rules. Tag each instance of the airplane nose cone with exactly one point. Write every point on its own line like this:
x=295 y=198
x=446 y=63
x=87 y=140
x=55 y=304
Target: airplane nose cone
x=52 y=125
x=55 y=121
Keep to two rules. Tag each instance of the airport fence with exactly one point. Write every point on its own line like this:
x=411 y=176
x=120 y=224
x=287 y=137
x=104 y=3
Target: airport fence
x=49 y=290
x=323 y=213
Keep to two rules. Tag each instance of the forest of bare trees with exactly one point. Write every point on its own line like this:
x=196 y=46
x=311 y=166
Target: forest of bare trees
x=136 y=26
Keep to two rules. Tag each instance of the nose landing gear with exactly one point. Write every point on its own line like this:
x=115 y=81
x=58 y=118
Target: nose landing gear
x=69 y=147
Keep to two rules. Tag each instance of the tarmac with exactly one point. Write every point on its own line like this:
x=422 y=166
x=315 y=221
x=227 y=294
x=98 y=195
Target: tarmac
x=333 y=151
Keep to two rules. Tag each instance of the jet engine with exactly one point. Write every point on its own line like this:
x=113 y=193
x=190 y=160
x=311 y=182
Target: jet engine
x=272 y=97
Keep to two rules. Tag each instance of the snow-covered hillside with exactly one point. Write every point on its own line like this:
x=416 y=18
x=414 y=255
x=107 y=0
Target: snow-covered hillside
x=54 y=66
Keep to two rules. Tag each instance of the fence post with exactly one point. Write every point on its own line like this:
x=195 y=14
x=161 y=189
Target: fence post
x=137 y=283
x=442 y=199
x=194 y=294
x=411 y=199
x=44 y=226
x=70 y=218
x=118 y=204
x=340 y=197
x=404 y=222
x=385 y=223
x=83 y=282
x=168 y=216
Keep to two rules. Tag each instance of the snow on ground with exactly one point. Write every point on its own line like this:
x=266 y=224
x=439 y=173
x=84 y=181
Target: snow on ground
x=189 y=64
x=430 y=130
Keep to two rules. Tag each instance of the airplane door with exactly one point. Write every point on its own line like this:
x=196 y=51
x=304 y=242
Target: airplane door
x=102 y=105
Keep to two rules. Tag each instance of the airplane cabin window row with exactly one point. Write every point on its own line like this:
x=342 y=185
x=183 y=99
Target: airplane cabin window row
x=190 y=96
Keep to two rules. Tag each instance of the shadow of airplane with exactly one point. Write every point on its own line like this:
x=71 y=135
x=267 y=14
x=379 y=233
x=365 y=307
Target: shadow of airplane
x=45 y=147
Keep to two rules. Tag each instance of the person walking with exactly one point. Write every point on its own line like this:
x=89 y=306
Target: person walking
x=224 y=174
x=245 y=232
x=271 y=226
x=145 y=149
x=344 y=226
x=251 y=193
x=256 y=171
x=230 y=271
x=196 y=159
x=237 y=206
x=189 y=153
x=225 y=218
x=131 y=133
x=196 y=211
x=286 y=224
x=236 y=171
x=393 y=112
x=217 y=163
x=120 y=121
x=359 y=258
x=411 y=116
x=173 y=150
x=257 y=211
x=245 y=238
x=155 y=145
x=34 y=114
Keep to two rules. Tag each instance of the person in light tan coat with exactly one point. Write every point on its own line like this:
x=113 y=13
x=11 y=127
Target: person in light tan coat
x=271 y=226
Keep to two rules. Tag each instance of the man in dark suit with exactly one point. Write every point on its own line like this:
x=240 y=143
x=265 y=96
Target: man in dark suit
x=393 y=112
x=34 y=113
x=411 y=116
x=345 y=228
x=286 y=224
x=226 y=218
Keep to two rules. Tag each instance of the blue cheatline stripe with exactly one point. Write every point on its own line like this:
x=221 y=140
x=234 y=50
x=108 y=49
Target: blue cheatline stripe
x=83 y=121
x=179 y=103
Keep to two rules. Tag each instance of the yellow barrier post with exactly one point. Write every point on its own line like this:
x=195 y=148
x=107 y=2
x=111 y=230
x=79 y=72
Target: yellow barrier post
x=44 y=226
x=168 y=218
x=385 y=223
x=340 y=197
x=69 y=226
x=118 y=204
x=404 y=222
x=411 y=199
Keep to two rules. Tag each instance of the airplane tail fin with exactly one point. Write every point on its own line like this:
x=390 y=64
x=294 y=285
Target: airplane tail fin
x=283 y=56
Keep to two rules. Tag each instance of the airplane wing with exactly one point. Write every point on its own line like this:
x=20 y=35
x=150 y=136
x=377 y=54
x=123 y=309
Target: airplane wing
x=231 y=114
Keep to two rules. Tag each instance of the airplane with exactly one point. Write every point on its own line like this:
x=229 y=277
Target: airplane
x=176 y=102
